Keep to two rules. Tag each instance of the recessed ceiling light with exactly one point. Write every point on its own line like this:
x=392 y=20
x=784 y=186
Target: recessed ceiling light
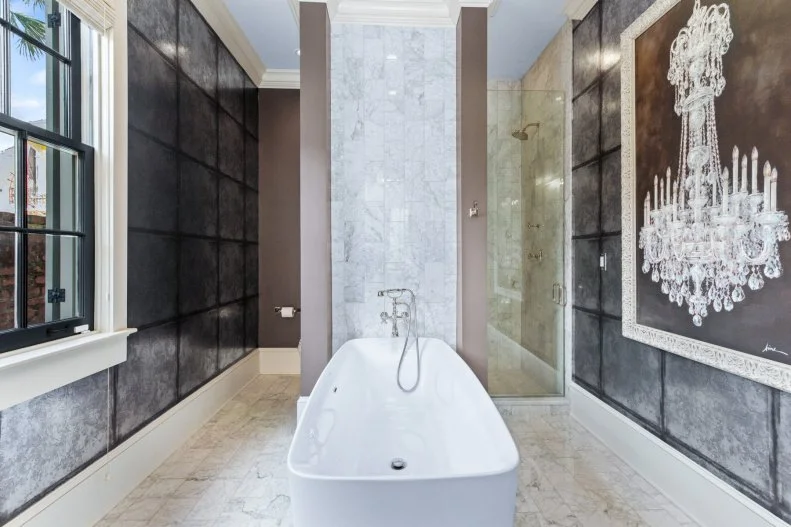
x=392 y=93
x=392 y=56
x=298 y=52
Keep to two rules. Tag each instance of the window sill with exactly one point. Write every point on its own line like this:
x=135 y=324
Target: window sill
x=33 y=371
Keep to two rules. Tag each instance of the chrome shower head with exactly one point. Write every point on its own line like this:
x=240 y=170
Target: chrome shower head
x=522 y=134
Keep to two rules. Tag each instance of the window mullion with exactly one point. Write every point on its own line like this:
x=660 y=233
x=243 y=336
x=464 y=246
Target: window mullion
x=6 y=56
x=75 y=70
x=22 y=239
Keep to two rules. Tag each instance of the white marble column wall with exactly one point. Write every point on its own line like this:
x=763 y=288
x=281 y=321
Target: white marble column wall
x=393 y=106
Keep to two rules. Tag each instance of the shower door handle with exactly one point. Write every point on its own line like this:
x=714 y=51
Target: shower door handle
x=559 y=294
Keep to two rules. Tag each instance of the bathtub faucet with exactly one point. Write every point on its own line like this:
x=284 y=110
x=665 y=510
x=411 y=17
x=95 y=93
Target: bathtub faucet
x=394 y=295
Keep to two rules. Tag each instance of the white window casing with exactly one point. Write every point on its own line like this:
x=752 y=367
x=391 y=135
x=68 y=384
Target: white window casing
x=99 y=14
x=34 y=371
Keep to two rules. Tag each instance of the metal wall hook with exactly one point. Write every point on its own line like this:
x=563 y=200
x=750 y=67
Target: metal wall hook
x=474 y=211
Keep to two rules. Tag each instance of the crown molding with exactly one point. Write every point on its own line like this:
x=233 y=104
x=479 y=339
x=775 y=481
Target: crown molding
x=398 y=12
x=578 y=9
x=493 y=7
x=294 y=5
x=332 y=6
x=220 y=19
x=280 y=79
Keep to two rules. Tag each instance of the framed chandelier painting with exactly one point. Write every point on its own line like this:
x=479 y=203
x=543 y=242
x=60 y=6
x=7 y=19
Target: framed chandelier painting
x=706 y=123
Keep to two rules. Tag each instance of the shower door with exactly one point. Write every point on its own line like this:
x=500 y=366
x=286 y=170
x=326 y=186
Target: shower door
x=525 y=171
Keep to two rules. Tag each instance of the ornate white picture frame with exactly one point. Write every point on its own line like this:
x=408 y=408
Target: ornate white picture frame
x=769 y=372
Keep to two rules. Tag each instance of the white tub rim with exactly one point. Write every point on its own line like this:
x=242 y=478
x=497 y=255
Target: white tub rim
x=398 y=477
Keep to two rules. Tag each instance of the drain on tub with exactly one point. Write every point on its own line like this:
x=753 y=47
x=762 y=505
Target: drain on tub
x=398 y=464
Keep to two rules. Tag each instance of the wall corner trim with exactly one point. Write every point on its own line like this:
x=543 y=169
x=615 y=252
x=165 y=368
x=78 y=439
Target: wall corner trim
x=280 y=79
x=224 y=24
x=704 y=497
x=88 y=496
x=578 y=9
x=279 y=361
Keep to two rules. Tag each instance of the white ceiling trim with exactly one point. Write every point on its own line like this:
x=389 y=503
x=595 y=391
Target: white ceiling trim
x=578 y=9
x=281 y=79
x=294 y=5
x=220 y=19
x=398 y=12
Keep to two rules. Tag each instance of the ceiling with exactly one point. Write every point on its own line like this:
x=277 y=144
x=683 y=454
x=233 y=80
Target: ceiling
x=271 y=29
x=518 y=31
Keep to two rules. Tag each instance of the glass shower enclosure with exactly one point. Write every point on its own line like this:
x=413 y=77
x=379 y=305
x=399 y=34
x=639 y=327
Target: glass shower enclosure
x=525 y=168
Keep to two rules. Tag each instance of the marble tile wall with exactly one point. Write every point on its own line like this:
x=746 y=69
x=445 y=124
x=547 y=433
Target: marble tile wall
x=393 y=107
x=736 y=428
x=193 y=221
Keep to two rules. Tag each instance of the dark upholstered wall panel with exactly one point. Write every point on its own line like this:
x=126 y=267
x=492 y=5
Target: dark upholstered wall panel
x=193 y=259
x=737 y=429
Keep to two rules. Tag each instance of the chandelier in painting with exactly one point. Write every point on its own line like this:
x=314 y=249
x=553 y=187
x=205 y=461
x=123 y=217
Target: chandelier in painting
x=709 y=231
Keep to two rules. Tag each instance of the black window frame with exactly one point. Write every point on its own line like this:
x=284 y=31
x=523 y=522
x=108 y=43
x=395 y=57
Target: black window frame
x=25 y=335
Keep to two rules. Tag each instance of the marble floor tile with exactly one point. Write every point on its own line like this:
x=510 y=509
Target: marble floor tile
x=233 y=472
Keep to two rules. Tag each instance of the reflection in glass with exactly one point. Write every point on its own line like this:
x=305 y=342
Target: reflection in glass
x=43 y=21
x=51 y=187
x=525 y=177
x=38 y=88
x=8 y=292
x=8 y=170
x=52 y=275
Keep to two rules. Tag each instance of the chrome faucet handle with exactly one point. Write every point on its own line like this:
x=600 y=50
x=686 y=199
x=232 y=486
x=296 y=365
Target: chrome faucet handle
x=384 y=317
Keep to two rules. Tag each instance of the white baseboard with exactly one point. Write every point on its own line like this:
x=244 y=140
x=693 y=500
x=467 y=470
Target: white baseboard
x=279 y=361
x=703 y=496
x=88 y=496
x=302 y=402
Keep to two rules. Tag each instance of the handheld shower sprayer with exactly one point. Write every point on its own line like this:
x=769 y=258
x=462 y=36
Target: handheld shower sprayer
x=410 y=316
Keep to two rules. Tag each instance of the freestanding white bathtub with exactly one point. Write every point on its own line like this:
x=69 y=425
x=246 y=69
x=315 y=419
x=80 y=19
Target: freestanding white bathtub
x=460 y=460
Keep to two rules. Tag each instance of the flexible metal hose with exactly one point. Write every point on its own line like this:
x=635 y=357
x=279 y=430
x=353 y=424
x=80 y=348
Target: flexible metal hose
x=412 y=310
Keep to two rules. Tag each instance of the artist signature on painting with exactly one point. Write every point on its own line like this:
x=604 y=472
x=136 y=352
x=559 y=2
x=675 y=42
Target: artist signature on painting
x=772 y=349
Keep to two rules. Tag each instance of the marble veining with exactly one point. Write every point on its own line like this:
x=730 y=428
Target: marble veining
x=393 y=118
x=233 y=472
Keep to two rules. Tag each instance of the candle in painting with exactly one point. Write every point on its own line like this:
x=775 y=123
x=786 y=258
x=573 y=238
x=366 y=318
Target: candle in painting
x=774 y=189
x=725 y=191
x=767 y=185
x=744 y=174
x=754 y=187
x=667 y=184
x=735 y=169
x=656 y=192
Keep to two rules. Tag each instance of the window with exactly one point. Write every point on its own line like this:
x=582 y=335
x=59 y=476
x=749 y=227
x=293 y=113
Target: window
x=46 y=174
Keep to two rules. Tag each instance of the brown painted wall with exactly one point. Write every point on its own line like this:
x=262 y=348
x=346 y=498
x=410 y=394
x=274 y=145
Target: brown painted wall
x=471 y=42
x=278 y=185
x=315 y=239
